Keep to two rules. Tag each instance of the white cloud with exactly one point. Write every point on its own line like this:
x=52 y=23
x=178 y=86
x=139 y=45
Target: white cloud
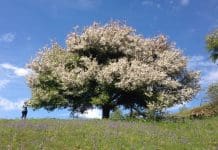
x=212 y=76
x=174 y=5
x=7 y=37
x=185 y=2
x=151 y=3
x=209 y=70
x=91 y=113
x=8 y=105
x=86 y=3
x=147 y=2
x=17 y=70
x=71 y=4
x=176 y=108
x=3 y=83
x=201 y=62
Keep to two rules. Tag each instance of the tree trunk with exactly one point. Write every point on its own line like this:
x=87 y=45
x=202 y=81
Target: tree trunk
x=131 y=112
x=105 y=112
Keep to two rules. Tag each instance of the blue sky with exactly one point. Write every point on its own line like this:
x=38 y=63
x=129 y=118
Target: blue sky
x=28 y=25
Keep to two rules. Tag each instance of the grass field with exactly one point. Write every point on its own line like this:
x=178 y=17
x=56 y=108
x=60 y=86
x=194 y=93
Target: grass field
x=52 y=134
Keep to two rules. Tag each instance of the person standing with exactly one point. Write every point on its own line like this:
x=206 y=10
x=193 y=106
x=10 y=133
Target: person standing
x=24 y=111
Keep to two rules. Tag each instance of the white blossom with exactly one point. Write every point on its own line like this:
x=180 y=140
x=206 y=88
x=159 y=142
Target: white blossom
x=115 y=54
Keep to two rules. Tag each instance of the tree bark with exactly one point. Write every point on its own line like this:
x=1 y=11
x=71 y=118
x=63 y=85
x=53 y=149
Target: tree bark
x=105 y=112
x=131 y=112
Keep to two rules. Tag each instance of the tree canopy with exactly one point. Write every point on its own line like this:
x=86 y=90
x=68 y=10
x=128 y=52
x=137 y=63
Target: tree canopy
x=212 y=44
x=212 y=93
x=108 y=66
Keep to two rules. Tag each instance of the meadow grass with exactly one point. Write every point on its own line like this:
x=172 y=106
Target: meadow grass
x=54 y=134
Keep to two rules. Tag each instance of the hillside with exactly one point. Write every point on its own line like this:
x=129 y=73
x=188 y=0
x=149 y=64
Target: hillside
x=207 y=110
x=52 y=134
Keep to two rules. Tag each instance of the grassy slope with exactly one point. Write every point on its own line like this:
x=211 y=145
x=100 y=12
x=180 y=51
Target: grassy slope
x=207 y=110
x=106 y=134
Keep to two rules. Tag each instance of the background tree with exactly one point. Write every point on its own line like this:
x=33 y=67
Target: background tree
x=117 y=114
x=110 y=65
x=213 y=94
x=212 y=44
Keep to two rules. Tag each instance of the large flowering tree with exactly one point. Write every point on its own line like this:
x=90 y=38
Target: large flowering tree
x=110 y=65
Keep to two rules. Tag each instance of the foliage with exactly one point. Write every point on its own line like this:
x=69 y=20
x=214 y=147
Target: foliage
x=212 y=44
x=117 y=115
x=106 y=134
x=204 y=111
x=110 y=65
x=212 y=93
x=207 y=110
x=55 y=82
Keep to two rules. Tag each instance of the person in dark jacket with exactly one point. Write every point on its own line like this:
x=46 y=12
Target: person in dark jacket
x=24 y=111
